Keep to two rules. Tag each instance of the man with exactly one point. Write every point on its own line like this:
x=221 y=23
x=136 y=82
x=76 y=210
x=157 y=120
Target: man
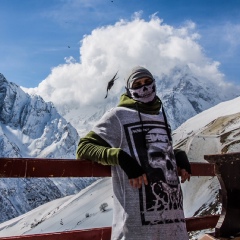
x=135 y=139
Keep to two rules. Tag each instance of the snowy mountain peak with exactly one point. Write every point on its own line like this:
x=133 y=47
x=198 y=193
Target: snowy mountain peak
x=184 y=95
x=182 y=92
x=32 y=125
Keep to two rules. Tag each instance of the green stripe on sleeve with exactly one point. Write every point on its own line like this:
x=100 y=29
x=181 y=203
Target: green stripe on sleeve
x=93 y=147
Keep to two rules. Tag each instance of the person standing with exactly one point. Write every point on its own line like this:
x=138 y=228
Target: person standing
x=135 y=139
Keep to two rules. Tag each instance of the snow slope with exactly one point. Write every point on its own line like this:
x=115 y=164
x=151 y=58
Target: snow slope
x=68 y=213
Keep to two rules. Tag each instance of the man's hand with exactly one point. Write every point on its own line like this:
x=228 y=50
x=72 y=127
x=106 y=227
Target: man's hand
x=184 y=175
x=131 y=167
x=184 y=166
x=137 y=182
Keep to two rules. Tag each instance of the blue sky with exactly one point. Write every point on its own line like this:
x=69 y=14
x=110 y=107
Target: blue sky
x=37 y=35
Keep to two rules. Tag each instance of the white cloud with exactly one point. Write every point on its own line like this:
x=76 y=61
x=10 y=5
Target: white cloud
x=121 y=46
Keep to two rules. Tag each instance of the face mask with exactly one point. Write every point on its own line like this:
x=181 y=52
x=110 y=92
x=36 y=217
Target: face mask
x=145 y=93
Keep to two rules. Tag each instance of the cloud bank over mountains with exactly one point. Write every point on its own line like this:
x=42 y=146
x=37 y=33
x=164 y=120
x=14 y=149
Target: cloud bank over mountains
x=119 y=47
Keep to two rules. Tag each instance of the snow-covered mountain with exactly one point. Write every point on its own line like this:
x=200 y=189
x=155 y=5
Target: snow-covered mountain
x=215 y=130
x=183 y=95
x=212 y=131
x=30 y=127
x=79 y=211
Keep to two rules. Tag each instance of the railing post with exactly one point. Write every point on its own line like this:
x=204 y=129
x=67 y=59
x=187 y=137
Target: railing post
x=227 y=168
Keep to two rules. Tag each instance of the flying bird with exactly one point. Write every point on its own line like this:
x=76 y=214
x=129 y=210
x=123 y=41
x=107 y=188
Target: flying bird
x=111 y=82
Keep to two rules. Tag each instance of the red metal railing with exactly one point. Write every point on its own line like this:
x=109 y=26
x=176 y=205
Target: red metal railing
x=92 y=234
x=27 y=167
x=40 y=167
x=193 y=224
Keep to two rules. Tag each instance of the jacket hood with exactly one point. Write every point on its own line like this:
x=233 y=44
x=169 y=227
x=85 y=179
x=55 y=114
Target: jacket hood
x=148 y=108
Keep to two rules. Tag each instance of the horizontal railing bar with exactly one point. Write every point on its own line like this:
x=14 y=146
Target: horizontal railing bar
x=203 y=222
x=93 y=234
x=202 y=169
x=193 y=224
x=26 y=168
x=41 y=168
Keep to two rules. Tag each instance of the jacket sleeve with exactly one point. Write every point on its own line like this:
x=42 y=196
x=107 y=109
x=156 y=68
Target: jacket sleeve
x=93 y=147
x=182 y=160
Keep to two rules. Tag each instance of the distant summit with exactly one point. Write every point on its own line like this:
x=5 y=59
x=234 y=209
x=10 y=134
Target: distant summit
x=31 y=127
x=183 y=95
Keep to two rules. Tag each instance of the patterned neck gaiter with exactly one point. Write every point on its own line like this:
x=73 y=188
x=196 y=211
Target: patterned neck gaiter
x=145 y=93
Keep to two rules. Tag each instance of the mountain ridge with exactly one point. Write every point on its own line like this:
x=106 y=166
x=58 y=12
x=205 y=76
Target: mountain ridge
x=32 y=128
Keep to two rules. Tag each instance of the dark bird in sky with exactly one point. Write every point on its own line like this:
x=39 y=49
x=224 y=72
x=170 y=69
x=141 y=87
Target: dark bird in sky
x=110 y=83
